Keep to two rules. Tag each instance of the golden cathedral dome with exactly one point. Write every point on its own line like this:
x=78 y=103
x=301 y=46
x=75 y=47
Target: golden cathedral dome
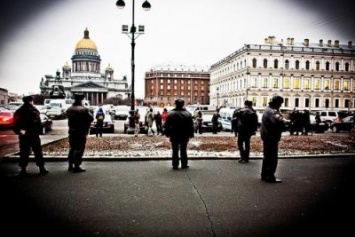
x=86 y=42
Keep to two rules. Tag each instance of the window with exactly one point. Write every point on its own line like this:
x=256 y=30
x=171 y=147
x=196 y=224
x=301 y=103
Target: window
x=316 y=103
x=297 y=102
x=346 y=85
x=346 y=67
x=337 y=66
x=254 y=63
x=276 y=83
x=327 y=66
x=317 y=84
x=317 y=67
x=307 y=84
x=296 y=83
x=265 y=83
x=286 y=83
x=327 y=84
x=307 y=65
x=336 y=85
x=254 y=82
x=265 y=63
x=297 y=64
x=276 y=63
x=265 y=101
x=287 y=64
x=286 y=102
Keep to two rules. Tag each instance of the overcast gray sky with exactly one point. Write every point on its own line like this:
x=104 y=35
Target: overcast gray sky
x=37 y=37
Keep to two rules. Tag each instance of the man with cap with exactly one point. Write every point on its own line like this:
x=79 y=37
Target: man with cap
x=272 y=126
x=27 y=125
x=79 y=120
x=179 y=128
x=247 y=124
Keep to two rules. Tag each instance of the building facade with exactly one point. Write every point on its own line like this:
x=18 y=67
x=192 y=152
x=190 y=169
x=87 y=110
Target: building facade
x=4 y=96
x=315 y=76
x=85 y=76
x=163 y=84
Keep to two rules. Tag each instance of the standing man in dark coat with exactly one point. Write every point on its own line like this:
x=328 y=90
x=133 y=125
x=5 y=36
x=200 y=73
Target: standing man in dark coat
x=215 y=121
x=179 y=128
x=27 y=125
x=272 y=125
x=79 y=120
x=246 y=126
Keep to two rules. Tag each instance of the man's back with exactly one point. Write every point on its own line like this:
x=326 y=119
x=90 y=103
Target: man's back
x=179 y=124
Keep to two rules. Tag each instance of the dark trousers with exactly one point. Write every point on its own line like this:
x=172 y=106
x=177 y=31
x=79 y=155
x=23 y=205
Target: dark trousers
x=179 y=146
x=243 y=143
x=99 y=129
x=159 y=127
x=77 y=144
x=28 y=142
x=270 y=160
x=215 y=128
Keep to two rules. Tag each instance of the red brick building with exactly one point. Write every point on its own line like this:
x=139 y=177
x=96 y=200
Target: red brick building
x=163 y=84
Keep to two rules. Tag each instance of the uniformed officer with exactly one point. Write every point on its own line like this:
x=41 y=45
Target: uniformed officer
x=179 y=128
x=79 y=120
x=27 y=125
x=272 y=125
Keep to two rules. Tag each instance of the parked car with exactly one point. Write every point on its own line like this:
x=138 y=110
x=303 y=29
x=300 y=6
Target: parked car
x=320 y=128
x=142 y=111
x=328 y=116
x=46 y=124
x=344 y=125
x=6 y=119
x=108 y=127
x=121 y=112
x=42 y=108
x=56 y=111
x=226 y=118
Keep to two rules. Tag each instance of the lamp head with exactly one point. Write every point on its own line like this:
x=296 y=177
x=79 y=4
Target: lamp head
x=120 y=4
x=146 y=5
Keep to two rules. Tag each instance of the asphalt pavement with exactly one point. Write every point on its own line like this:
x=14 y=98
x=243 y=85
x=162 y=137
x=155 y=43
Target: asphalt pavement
x=211 y=198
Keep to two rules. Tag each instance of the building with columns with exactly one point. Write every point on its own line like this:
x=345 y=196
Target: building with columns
x=315 y=76
x=85 y=76
x=165 y=83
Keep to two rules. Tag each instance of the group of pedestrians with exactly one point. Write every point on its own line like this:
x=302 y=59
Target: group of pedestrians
x=178 y=127
x=27 y=125
x=300 y=121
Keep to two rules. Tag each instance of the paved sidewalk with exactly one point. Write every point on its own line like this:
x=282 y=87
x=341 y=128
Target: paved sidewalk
x=211 y=198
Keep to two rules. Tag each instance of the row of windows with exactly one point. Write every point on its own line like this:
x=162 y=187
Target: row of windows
x=287 y=83
x=175 y=93
x=316 y=103
x=297 y=65
x=182 y=82
x=168 y=87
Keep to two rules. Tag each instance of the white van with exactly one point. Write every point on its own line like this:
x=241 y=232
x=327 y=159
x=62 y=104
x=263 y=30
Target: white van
x=193 y=109
x=226 y=118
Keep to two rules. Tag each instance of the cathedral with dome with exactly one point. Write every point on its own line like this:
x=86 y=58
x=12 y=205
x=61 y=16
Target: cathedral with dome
x=85 y=76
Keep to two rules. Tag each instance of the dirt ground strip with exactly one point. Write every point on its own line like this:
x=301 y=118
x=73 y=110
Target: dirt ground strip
x=160 y=146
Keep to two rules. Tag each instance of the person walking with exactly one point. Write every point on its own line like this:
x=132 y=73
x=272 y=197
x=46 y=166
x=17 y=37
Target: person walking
x=272 y=125
x=150 y=121
x=27 y=125
x=79 y=120
x=246 y=126
x=158 y=123
x=100 y=117
x=179 y=128
x=199 y=120
x=136 y=117
x=164 y=115
x=215 y=121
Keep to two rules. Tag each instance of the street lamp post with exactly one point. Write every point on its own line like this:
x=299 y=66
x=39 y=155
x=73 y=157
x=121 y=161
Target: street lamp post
x=217 y=89
x=133 y=31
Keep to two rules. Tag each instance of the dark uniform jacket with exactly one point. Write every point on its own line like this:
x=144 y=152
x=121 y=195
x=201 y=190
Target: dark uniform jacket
x=246 y=121
x=272 y=125
x=27 y=118
x=79 y=119
x=179 y=125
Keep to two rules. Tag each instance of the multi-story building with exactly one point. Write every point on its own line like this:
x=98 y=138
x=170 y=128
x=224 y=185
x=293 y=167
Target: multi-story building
x=85 y=76
x=314 y=76
x=163 y=84
x=4 y=96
